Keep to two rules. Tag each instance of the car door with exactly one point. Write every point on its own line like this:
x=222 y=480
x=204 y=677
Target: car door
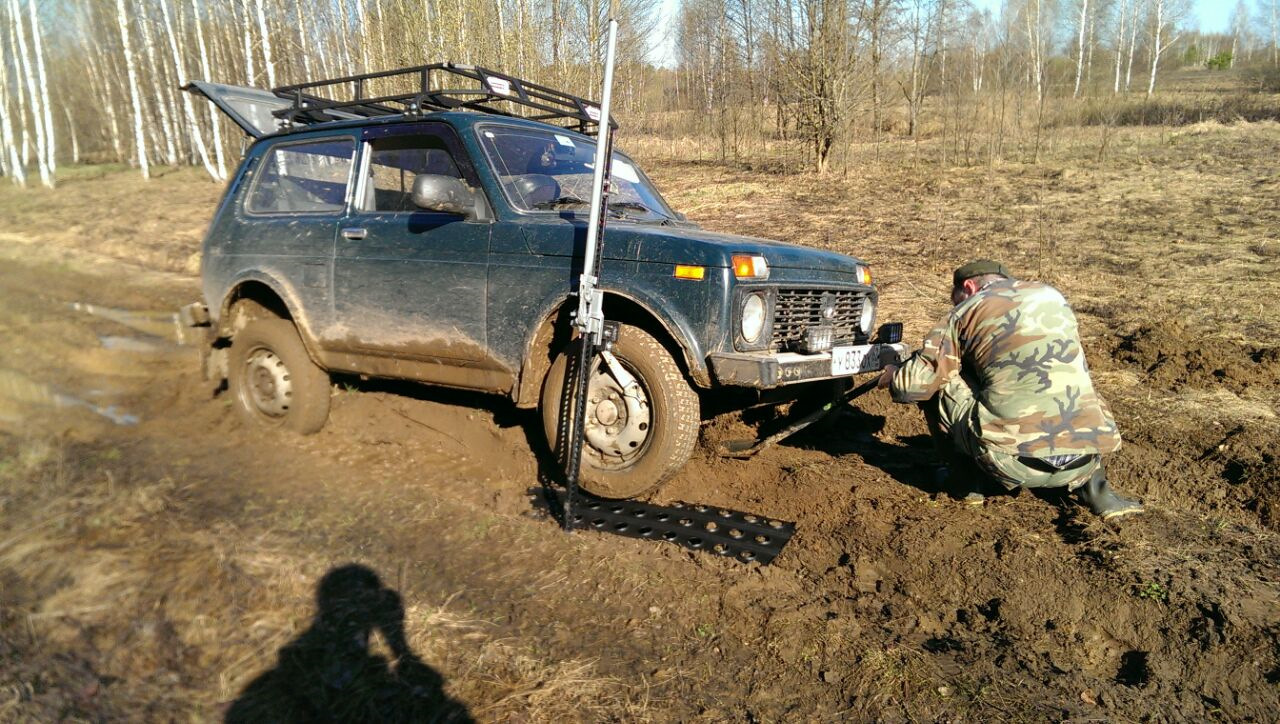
x=283 y=231
x=410 y=283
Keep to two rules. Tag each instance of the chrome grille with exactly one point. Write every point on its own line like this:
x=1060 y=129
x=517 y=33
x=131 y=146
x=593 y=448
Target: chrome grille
x=795 y=310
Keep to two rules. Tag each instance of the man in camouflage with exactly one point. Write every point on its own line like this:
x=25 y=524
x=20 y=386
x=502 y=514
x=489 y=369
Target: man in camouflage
x=1002 y=380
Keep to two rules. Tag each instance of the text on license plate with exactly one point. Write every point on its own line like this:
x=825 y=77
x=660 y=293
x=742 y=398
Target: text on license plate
x=848 y=360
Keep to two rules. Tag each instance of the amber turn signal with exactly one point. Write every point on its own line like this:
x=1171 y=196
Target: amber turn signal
x=864 y=275
x=747 y=266
x=685 y=271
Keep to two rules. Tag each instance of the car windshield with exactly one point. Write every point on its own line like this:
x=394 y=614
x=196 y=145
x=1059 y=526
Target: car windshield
x=544 y=170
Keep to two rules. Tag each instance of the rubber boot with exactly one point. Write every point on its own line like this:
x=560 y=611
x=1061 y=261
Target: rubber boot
x=1098 y=496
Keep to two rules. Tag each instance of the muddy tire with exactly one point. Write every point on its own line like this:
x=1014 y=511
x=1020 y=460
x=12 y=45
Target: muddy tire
x=633 y=442
x=273 y=380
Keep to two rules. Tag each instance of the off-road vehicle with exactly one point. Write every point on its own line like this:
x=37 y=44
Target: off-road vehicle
x=429 y=234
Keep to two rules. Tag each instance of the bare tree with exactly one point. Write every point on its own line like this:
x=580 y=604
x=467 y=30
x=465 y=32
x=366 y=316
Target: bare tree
x=1084 y=20
x=1166 y=16
x=13 y=159
x=132 y=64
x=50 y=147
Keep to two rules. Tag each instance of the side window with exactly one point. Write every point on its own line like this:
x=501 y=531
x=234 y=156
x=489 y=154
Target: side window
x=307 y=177
x=395 y=162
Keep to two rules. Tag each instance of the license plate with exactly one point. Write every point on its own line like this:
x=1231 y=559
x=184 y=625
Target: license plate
x=848 y=360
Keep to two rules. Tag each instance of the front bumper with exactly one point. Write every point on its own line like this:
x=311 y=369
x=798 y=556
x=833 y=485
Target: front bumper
x=766 y=370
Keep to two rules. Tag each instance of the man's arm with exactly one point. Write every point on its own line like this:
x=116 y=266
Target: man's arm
x=927 y=369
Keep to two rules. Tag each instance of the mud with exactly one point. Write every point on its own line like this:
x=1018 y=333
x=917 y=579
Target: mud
x=892 y=602
x=1170 y=357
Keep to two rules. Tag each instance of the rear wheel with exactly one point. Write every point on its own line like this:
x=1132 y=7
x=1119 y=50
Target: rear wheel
x=273 y=380
x=636 y=436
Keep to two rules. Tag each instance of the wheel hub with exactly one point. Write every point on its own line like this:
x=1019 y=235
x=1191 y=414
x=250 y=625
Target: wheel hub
x=270 y=389
x=618 y=422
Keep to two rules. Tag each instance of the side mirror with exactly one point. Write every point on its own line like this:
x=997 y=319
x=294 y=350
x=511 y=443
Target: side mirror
x=446 y=194
x=681 y=217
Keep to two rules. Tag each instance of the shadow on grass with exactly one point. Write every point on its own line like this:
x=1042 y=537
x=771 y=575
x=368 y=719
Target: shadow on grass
x=328 y=673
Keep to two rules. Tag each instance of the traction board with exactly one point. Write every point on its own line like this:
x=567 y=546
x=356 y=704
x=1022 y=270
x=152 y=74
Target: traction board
x=743 y=536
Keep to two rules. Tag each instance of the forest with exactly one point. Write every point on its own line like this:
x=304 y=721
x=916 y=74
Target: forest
x=805 y=83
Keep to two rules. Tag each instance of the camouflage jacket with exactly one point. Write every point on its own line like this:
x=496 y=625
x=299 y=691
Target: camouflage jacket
x=1016 y=344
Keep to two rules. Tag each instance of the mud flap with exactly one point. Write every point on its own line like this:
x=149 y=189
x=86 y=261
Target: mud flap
x=744 y=537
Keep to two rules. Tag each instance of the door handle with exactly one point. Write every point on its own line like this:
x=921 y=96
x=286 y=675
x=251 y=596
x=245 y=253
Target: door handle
x=354 y=233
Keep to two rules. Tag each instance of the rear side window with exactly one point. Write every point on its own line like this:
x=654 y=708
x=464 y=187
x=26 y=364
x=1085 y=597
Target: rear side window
x=304 y=178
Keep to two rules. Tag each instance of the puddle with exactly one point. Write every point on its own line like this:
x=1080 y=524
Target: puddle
x=153 y=345
x=16 y=387
x=164 y=325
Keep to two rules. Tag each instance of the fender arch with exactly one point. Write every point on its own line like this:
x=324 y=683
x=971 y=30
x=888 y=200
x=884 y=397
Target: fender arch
x=274 y=297
x=620 y=305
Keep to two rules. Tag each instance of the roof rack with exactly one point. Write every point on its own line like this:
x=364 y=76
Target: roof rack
x=497 y=93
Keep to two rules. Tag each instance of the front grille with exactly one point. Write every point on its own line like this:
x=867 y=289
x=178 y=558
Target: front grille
x=795 y=310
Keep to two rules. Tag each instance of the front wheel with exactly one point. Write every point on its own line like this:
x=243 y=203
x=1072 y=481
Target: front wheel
x=273 y=379
x=635 y=436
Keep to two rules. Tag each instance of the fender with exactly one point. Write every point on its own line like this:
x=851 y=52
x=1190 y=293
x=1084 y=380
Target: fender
x=678 y=329
x=284 y=292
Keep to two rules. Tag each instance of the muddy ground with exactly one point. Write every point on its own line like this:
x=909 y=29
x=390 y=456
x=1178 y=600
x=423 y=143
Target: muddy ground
x=159 y=559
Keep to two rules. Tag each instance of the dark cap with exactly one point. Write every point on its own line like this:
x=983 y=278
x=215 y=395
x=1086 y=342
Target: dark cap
x=977 y=268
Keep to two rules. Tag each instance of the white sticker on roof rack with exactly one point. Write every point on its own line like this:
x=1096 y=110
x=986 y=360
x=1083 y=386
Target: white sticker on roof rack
x=624 y=171
x=593 y=113
x=564 y=140
x=501 y=86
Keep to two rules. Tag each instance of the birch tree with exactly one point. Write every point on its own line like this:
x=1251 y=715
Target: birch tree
x=193 y=126
x=1083 y=21
x=29 y=73
x=42 y=79
x=131 y=64
x=1166 y=16
x=13 y=160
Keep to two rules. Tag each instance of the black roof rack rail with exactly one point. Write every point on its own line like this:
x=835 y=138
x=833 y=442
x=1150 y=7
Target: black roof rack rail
x=497 y=93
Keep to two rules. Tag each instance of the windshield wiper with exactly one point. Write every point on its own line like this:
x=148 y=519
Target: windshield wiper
x=636 y=205
x=562 y=201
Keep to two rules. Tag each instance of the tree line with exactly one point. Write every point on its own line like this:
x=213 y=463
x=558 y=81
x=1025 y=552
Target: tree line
x=98 y=80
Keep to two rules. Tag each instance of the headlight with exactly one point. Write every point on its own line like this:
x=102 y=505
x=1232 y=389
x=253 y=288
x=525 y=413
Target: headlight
x=753 y=317
x=868 y=317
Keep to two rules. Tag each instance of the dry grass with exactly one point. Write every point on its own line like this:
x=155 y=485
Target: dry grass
x=114 y=592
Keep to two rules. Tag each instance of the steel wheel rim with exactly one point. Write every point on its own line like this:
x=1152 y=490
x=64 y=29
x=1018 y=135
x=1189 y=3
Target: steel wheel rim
x=267 y=388
x=619 y=427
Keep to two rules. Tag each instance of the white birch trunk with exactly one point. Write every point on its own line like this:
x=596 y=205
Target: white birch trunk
x=51 y=153
x=1084 y=13
x=167 y=128
x=15 y=27
x=188 y=111
x=132 y=65
x=71 y=131
x=1119 y=48
x=1156 y=50
x=362 y=32
x=214 y=124
x=1133 y=45
x=42 y=156
x=267 y=62
x=249 y=74
x=8 y=141
x=305 y=25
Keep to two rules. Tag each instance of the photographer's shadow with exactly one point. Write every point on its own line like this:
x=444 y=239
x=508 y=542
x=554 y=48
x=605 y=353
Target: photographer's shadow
x=329 y=674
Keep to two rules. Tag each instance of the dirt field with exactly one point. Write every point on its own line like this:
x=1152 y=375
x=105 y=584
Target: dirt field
x=159 y=560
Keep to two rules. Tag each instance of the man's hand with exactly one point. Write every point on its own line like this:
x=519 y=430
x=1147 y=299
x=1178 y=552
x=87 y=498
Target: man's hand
x=886 y=377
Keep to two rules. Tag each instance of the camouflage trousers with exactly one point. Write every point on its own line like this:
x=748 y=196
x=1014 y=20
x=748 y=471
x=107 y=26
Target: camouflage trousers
x=952 y=418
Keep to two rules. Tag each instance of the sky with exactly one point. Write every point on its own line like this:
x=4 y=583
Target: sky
x=1213 y=17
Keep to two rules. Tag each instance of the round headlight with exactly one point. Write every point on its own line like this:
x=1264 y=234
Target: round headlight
x=752 y=317
x=868 y=317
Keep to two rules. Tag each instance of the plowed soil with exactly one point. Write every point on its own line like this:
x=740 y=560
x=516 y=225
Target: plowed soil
x=158 y=555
